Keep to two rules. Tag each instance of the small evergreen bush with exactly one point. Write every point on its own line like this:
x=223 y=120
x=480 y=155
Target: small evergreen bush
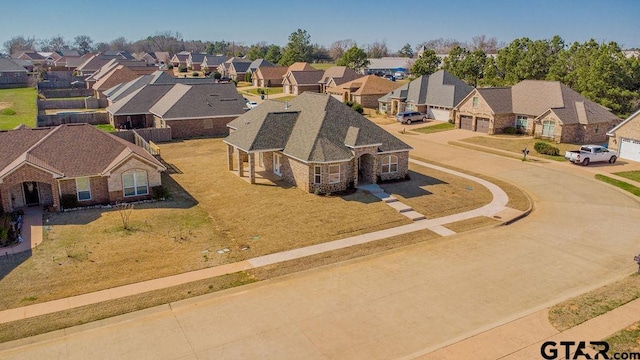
x=546 y=149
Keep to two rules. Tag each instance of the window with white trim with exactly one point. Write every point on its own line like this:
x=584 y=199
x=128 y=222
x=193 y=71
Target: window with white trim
x=475 y=102
x=389 y=164
x=334 y=174
x=548 y=128
x=317 y=174
x=135 y=184
x=83 y=189
x=521 y=122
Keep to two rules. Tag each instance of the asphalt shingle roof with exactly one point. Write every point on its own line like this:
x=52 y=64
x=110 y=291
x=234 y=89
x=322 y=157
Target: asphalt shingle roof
x=70 y=150
x=8 y=65
x=199 y=101
x=322 y=129
x=438 y=89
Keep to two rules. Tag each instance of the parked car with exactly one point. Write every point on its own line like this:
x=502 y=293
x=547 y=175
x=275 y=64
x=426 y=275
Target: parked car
x=389 y=77
x=399 y=75
x=591 y=153
x=408 y=117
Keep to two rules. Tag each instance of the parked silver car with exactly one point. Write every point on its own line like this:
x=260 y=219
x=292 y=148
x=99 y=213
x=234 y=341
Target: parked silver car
x=410 y=116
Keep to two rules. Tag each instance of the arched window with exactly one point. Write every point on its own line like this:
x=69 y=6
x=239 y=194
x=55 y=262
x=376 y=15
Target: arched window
x=389 y=164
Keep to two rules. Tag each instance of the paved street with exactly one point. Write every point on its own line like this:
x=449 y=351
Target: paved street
x=400 y=304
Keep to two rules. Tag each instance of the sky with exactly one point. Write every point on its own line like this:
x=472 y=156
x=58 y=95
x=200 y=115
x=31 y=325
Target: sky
x=394 y=22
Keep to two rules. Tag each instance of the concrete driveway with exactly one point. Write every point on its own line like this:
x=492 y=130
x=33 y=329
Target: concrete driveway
x=400 y=304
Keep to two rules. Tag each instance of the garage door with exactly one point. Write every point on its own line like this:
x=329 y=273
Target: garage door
x=630 y=149
x=466 y=122
x=438 y=114
x=482 y=125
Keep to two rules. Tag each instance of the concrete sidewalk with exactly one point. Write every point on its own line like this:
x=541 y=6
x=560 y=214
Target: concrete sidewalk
x=496 y=208
x=31 y=232
x=523 y=338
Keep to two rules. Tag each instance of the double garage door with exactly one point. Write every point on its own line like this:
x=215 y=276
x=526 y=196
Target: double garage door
x=482 y=124
x=630 y=149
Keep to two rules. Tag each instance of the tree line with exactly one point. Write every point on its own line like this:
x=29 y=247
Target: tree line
x=600 y=71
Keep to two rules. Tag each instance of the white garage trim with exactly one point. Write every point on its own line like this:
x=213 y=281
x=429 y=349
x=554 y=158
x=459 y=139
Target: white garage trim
x=630 y=149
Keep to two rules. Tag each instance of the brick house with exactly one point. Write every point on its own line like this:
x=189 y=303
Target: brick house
x=180 y=59
x=238 y=69
x=434 y=95
x=365 y=90
x=40 y=166
x=210 y=63
x=336 y=75
x=545 y=109
x=12 y=74
x=625 y=138
x=315 y=143
x=270 y=76
x=190 y=107
x=295 y=82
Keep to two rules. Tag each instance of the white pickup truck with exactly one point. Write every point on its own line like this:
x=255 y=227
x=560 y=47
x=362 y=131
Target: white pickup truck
x=591 y=153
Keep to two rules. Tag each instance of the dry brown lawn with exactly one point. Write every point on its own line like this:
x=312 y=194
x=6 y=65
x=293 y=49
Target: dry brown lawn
x=584 y=307
x=212 y=209
x=435 y=194
x=515 y=144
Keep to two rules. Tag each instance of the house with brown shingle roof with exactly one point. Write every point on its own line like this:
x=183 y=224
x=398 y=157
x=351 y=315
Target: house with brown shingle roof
x=365 y=90
x=296 y=81
x=270 y=76
x=545 y=109
x=315 y=143
x=337 y=75
x=12 y=74
x=434 y=95
x=40 y=167
x=118 y=75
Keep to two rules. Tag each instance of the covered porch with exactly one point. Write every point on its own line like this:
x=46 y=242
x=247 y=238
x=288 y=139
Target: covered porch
x=253 y=167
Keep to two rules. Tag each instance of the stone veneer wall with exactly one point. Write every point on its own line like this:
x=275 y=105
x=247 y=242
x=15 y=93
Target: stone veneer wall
x=403 y=166
x=630 y=130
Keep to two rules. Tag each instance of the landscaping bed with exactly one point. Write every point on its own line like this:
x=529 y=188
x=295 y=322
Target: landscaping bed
x=515 y=144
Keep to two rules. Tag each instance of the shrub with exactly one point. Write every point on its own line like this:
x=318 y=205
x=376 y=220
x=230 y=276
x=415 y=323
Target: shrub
x=7 y=111
x=69 y=201
x=195 y=74
x=546 y=149
x=159 y=192
x=349 y=103
x=247 y=77
x=451 y=121
x=510 y=130
x=170 y=67
x=358 y=107
x=182 y=69
x=260 y=91
x=217 y=75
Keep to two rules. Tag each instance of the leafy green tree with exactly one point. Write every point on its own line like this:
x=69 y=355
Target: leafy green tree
x=273 y=54
x=257 y=51
x=217 y=48
x=454 y=62
x=298 y=49
x=354 y=58
x=426 y=64
x=406 y=51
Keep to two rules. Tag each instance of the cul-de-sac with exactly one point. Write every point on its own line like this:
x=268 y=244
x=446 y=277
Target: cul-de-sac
x=349 y=191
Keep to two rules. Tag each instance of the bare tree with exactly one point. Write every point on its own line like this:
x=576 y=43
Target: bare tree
x=377 y=49
x=19 y=43
x=120 y=44
x=55 y=43
x=440 y=46
x=488 y=45
x=124 y=210
x=83 y=44
x=165 y=41
x=338 y=48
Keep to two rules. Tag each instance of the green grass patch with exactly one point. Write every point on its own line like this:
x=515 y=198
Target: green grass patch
x=625 y=341
x=8 y=111
x=631 y=175
x=271 y=91
x=323 y=66
x=106 y=128
x=621 y=184
x=286 y=98
x=516 y=143
x=23 y=103
x=435 y=128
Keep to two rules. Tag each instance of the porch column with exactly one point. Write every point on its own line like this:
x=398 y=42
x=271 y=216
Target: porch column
x=56 y=194
x=230 y=150
x=240 y=163
x=6 y=200
x=252 y=168
x=474 y=123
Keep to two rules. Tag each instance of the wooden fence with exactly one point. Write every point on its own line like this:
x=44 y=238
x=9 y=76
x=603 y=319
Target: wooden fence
x=70 y=118
x=61 y=104
x=65 y=93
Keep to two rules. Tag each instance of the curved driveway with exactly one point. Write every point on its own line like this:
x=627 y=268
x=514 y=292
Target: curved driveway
x=402 y=303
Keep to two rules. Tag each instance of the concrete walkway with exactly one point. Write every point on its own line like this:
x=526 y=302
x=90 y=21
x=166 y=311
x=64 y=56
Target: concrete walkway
x=406 y=210
x=31 y=232
x=527 y=334
x=496 y=208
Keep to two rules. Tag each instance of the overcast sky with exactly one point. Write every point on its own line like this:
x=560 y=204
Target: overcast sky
x=395 y=22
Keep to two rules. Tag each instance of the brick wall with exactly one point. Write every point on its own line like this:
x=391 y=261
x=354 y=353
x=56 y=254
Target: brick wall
x=368 y=101
x=181 y=129
x=23 y=174
x=99 y=190
x=114 y=182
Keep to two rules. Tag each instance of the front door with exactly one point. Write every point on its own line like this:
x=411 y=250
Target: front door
x=277 y=165
x=31 y=196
